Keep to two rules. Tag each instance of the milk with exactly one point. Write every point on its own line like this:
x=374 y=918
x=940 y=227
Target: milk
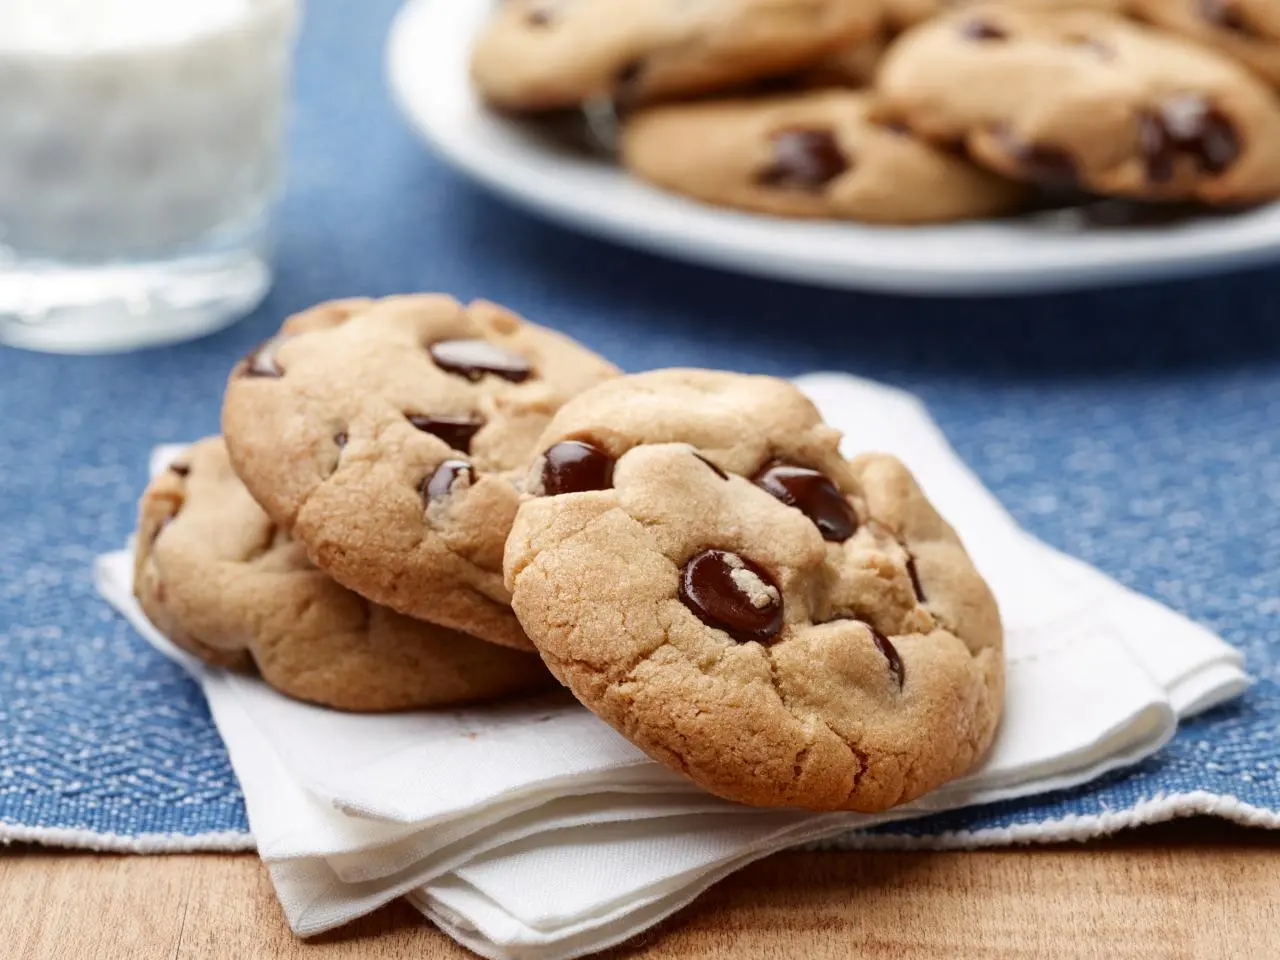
x=89 y=26
x=140 y=148
x=131 y=126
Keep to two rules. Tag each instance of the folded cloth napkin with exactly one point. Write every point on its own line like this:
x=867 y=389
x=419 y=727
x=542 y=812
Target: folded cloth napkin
x=532 y=830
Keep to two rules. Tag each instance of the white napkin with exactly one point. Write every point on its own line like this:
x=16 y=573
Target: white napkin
x=532 y=830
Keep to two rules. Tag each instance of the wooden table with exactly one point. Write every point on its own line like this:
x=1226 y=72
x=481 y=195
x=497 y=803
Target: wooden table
x=1195 y=889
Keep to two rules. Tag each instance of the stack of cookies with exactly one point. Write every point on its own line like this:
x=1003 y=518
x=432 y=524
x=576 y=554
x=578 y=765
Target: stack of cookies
x=418 y=503
x=910 y=111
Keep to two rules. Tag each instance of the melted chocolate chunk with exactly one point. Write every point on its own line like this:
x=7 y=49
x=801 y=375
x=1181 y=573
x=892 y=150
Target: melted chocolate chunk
x=886 y=647
x=1042 y=163
x=731 y=593
x=181 y=469
x=473 y=359
x=914 y=574
x=455 y=431
x=982 y=30
x=262 y=361
x=804 y=160
x=575 y=466
x=814 y=495
x=538 y=17
x=340 y=438
x=446 y=476
x=1187 y=125
x=718 y=472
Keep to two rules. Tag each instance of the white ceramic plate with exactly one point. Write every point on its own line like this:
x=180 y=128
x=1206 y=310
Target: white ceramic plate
x=428 y=54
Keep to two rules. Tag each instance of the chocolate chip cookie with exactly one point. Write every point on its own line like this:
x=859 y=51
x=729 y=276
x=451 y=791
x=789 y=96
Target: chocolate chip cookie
x=810 y=154
x=548 y=54
x=1245 y=30
x=223 y=582
x=1078 y=98
x=384 y=436
x=703 y=569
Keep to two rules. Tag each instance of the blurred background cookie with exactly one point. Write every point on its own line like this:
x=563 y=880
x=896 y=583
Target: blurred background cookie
x=809 y=154
x=1078 y=98
x=544 y=54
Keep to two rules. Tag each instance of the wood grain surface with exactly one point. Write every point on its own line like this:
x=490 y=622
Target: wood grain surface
x=1195 y=889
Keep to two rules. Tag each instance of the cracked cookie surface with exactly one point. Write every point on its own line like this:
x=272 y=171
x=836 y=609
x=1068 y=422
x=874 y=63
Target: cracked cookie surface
x=1078 y=98
x=810 y=154
x=384 y=436
x=548 y=54
x=702 y=568
x=216 y=576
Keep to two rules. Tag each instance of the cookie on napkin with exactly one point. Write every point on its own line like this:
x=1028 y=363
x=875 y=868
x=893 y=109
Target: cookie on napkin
x=702 y=568
x=218 y=578
x=388 y=437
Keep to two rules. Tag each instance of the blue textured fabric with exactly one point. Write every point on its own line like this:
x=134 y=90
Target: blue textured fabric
x=1137 y=428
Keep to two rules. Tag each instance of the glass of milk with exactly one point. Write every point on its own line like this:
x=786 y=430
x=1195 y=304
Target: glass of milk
x=140 y=155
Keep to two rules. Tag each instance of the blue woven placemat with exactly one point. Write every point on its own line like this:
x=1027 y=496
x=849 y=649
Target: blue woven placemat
x=1138 y=429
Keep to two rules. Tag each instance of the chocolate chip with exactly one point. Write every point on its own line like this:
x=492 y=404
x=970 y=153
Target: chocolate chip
x=575 y=466
x=455 y=431
x=1186 y=125
x=731 y=593
x=1226 y=15
x=813 y=494
x=473 y=359
x=883 y=644
x=1040 y=162
x=982 y=30
x=804 y=160
x=181 y=469
x=538 y=17
x=914 y=574
x=262 y=361
x=1204 y=131
x=886 y=647
x=448 y=475
x=340 y=438
x=718 y=472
